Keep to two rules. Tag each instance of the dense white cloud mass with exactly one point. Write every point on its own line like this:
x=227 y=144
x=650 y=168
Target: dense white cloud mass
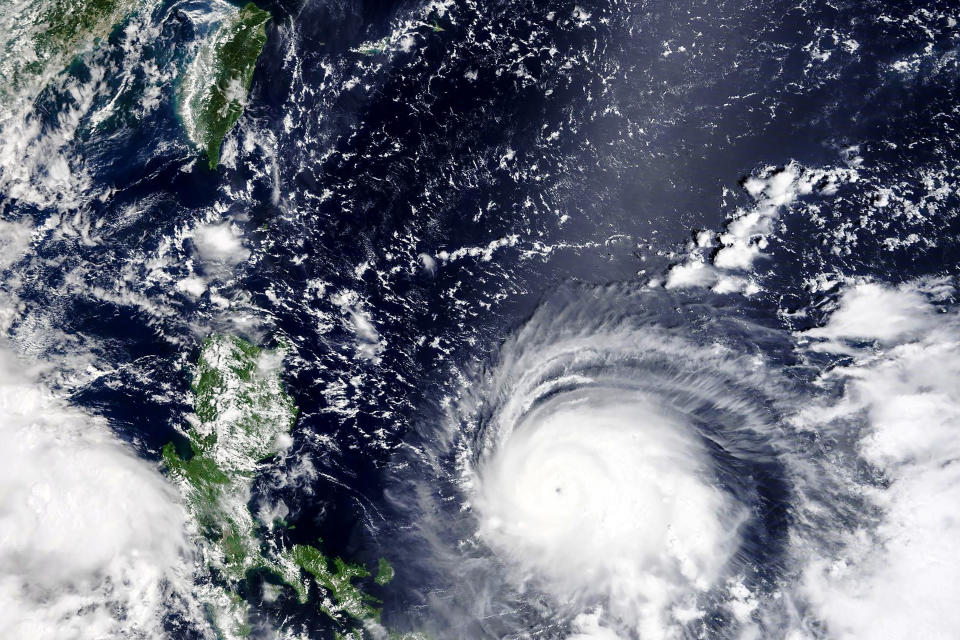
x=92 y=542
x=220 y=244
x=895 y=575
x=587 y=626
x=608 y=495
x=888 y=315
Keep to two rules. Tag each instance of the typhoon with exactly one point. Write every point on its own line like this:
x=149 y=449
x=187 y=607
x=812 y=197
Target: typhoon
x=630 y=457
x=626 y=459
x=650 y=465
x=499 y=320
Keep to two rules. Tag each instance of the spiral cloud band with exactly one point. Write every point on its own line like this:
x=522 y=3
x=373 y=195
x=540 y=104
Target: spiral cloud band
x=622 y=458
x=638 y=464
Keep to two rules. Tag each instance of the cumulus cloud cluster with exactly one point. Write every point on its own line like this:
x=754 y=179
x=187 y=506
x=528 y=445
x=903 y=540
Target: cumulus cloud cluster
x=723 y=261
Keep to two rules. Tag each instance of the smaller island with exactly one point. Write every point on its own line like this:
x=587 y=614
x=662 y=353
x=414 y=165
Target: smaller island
x=214 y=89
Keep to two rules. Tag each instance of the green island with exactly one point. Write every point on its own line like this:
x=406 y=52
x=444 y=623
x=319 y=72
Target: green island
x=213 y=91
x=40 y=39
x=373 y=48
x=243 y=418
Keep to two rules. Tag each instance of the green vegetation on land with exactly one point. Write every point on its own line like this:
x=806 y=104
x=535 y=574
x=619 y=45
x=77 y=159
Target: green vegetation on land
x=71 y=22
x=214 y=90
x=385 y=572
x=373 y=48
x=243 y=415
x=337 y=578
x=41 y=38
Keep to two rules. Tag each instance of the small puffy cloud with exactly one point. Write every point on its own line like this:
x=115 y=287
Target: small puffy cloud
x=220 y=244
x=870 y=311
x=193 y=285
x=587 y=626
x=747 y=232
x=428 y=263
